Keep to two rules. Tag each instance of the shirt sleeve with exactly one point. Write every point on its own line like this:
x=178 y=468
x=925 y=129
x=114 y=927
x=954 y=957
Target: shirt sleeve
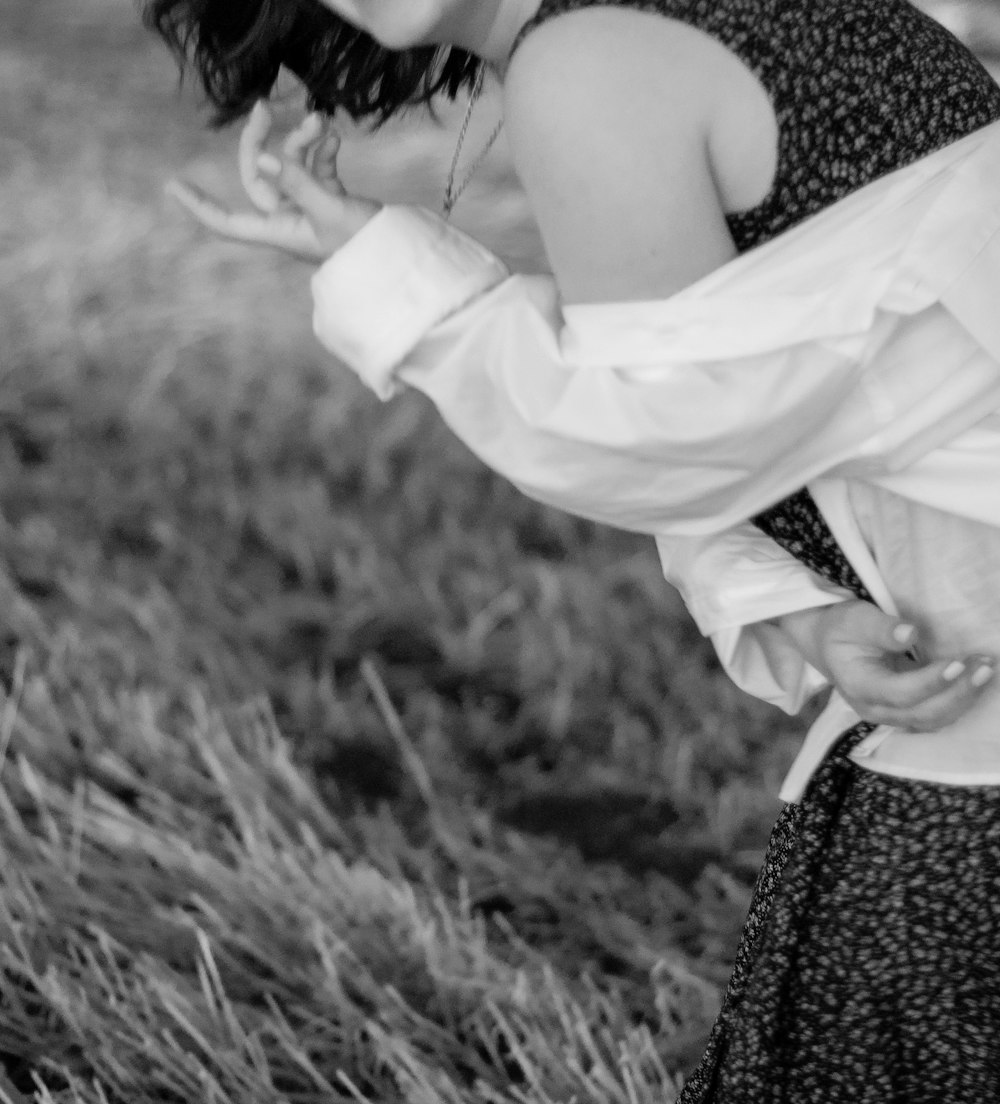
x=665 y=428
x=629 y=441
x=734 y=584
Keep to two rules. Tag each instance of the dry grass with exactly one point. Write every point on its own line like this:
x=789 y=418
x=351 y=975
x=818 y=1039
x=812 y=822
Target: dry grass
x=332 y=769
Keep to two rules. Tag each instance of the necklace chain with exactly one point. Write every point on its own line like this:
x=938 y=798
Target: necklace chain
x=453 y=191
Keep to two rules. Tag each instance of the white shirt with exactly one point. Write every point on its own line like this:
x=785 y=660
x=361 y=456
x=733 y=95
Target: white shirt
x=864 y=344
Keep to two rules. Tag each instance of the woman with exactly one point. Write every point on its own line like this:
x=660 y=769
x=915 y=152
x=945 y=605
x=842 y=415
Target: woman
x=656 y=141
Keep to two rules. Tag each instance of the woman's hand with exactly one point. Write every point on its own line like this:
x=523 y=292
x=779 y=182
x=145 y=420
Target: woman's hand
x=869 y=657
x=300 y=204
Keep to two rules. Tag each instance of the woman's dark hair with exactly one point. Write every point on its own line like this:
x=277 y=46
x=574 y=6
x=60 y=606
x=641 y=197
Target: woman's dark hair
x=237 y=48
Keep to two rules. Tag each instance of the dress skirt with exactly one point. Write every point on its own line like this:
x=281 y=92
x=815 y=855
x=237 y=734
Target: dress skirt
x=869 y=967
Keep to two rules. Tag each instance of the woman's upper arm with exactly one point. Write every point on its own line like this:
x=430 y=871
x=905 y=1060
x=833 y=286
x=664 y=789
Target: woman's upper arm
x=609 y=114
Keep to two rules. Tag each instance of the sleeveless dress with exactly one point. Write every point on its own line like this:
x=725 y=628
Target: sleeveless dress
x=868 y=970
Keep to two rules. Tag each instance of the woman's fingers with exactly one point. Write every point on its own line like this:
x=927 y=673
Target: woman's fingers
x=334 y=215
x=238 y=225
x=325 y=161
x=314 y=145
x=870 y=626
x=301 y=205
x=288 y=230
x=873 y=660
x=262 y=193
x=301 y=143
x=930 y=697
x=296 y=183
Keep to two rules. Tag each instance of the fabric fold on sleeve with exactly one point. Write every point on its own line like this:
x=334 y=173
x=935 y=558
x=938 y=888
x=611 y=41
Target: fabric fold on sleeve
x=739 y=577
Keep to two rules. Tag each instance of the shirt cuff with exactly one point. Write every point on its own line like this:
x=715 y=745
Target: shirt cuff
x=400 y=275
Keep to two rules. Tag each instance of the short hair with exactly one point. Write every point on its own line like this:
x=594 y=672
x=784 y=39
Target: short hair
x=238 y=47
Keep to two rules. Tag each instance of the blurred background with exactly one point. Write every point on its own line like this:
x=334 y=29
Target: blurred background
x=199 y=510
x=171 y=428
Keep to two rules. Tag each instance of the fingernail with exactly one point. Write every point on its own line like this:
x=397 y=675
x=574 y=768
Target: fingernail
x=981 y=676
x=953 y=670
x=904 y=634
x=269 y=164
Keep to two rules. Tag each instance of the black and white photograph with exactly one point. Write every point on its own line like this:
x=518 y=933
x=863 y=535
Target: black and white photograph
x=499 y=552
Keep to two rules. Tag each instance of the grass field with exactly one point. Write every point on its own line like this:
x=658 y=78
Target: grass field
x=332 y=768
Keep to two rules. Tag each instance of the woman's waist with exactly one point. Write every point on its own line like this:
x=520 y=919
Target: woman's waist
x=965 y=752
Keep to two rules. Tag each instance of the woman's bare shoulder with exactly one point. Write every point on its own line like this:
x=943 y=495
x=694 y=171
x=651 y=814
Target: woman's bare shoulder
x=614 y=57
x=609 y=112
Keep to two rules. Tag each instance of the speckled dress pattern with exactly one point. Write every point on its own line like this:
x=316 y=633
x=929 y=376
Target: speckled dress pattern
x=868 y=971
x=869 y=967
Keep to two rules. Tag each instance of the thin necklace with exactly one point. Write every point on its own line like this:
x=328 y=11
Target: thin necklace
x=451 y=190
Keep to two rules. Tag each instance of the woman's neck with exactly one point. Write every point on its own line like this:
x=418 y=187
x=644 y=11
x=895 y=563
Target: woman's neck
x=489 y=30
